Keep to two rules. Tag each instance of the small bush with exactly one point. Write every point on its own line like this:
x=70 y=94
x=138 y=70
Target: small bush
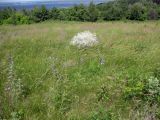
x=17 y=18
x=137 y=12
x=148 y=90
x=152 y=89
x=153 y=14
x=134 y=91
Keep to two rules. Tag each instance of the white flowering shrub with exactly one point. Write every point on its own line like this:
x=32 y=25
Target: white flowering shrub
x=84 y=39
x=14 y=85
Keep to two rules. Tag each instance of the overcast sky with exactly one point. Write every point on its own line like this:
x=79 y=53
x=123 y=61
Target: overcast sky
x=42 y=0
x=22 y=0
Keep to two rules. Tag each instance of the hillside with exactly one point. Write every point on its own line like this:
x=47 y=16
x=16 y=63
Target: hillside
x=43 y=77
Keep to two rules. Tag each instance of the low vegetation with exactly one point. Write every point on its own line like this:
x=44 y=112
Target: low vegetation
x=43 y=77
x=114 y=10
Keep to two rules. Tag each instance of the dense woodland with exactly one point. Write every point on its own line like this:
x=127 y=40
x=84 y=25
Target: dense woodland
x=114 y=10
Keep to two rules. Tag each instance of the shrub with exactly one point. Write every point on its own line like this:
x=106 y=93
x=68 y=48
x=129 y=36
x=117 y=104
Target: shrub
x=113 y=13
x=17 y=115
x=156 y=1
x=17 y=18
x=62 y=15
x=54 y=13
x=148 y=90
x=10 y=20
x=134 y=91
x=153 y=15
x=79 y=13
x=137 y=11
x=152 y=89
x=93 y=12
x=6 y=13
x=40 y=14
x=24 y=20
x=83 y=14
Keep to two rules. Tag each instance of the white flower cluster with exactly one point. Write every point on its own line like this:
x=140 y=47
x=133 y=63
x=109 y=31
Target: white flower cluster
x=154 y=85
x=13 y=85
x=84 y=39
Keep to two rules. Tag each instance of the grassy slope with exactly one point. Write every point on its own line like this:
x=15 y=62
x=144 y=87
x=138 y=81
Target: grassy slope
x=63 y=82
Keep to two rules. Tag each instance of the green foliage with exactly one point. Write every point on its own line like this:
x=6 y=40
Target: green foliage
x=114 y=10
x=156 y=1
x=153 y=14
x=156 y=72
x=78 y=13
x=135 y=90
x=54 y=13
x=113 y=13
x=62 y=15
x=137 y=12
x=17 y=115
x=40 y=14
x=17 y=18
x=6 y=13
x=148 y=90
x=101 y=114
x=152 y=89
x=93 y=12
x=102 y=94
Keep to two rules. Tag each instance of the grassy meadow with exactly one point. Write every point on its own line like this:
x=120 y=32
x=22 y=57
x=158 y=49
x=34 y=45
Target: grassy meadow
x=43 y=77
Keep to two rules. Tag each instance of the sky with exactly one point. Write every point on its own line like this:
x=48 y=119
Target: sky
x=35 y=0
x=21 y=0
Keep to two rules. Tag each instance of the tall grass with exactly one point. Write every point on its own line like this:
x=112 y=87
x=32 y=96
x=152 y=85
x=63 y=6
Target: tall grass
x=60 y=81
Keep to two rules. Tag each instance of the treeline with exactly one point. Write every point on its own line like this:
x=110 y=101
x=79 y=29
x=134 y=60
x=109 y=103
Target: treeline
x=114 y=10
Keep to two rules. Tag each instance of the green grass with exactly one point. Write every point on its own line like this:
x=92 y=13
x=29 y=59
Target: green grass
x=61 y=82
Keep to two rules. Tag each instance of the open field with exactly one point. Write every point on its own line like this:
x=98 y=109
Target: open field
x=43 y=77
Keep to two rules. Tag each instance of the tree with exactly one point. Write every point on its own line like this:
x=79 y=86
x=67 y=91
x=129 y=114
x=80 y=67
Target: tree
x=6 y=13
x=62 y=15
x=156 y=1
x=11 y=20
x=113 y=13
x=93 y=12
x=81 y=13
x=40 y=14
x=17 y=18
x=153 y=14
x=44 y=13
x=54 y=13
x=72 y=14
x=36 y=14
x=137 y=12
